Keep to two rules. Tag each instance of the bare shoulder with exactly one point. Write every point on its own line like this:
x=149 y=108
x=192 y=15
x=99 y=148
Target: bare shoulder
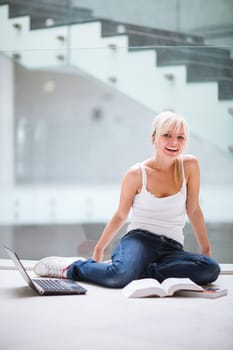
x=133 y=177
x=135 y=168
x=133 y=173
x=190 y=160
x=191 y=164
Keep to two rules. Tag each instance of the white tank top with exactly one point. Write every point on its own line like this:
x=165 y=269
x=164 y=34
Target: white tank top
x=162 y=216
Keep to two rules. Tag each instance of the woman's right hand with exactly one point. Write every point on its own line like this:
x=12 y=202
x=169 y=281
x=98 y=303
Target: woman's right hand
x=98 y=254
x=129 y=187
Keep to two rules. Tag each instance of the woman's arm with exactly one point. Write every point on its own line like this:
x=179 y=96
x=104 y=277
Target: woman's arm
x=192 y=205
x=130 y=184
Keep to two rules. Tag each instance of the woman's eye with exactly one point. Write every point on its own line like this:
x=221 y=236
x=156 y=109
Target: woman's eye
x=166 y=135
x=180 y=137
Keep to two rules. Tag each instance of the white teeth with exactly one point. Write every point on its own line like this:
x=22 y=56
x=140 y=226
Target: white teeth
x=172 y=149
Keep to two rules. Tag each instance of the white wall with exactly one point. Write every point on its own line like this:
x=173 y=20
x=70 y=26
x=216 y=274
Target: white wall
x=65 y=142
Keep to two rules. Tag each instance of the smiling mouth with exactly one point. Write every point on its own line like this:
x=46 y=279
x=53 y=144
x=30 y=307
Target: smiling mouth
x=172 y=149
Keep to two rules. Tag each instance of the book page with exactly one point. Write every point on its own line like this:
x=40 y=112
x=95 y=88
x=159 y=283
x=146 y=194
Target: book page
x=171 y=285
x=143 y=288
x=147 y=287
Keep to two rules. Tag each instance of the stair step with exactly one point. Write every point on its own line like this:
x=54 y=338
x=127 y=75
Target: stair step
x=184 y=55
x=205 y=72
x=76 y=16
x=40 y=11
x=225 y=90
x=141 y=34
x=148 y=40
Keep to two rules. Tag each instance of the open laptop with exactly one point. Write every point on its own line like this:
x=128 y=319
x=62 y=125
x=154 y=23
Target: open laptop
x=49 y=286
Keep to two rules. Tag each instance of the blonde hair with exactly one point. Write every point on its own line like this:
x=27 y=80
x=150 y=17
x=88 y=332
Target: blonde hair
x=163 y=122
x=168 y=120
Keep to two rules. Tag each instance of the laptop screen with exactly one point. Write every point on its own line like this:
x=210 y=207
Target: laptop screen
x=19 y=266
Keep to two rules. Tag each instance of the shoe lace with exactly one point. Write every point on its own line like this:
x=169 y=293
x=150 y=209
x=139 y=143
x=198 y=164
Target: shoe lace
x=55 y=270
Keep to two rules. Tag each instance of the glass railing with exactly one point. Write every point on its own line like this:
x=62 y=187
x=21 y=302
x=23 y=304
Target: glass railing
x=77 y=103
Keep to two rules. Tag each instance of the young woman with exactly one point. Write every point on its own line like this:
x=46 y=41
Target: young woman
x=161 y=191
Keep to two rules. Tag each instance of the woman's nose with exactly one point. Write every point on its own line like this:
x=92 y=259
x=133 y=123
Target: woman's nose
x=173 y=141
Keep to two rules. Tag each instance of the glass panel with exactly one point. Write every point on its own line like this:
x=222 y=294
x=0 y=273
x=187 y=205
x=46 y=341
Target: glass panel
x=211 y=20
x=77 y=101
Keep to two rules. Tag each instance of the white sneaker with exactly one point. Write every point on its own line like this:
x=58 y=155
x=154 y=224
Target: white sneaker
x=54 y=266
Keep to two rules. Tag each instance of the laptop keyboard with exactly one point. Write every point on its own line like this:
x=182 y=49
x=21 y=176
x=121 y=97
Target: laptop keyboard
x=52 y=284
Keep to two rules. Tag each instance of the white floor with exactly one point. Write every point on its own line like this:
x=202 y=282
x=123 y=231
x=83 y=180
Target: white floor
x=105 y=319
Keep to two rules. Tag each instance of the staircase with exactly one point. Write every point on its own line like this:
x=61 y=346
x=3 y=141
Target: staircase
x=157 y=68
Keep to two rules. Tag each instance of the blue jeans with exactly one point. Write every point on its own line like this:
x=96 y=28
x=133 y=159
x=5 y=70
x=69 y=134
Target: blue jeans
x=141 y=254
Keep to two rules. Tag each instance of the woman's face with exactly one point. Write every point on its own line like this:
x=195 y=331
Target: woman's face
x=171 y=142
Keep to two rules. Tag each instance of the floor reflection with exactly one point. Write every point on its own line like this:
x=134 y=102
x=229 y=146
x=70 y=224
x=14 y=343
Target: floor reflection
x=34 y=242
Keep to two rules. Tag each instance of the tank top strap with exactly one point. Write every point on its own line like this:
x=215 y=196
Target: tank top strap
x=182 y=169
x=183 y=188
x=144 y=179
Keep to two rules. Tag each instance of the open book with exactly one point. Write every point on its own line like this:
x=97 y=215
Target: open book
x=149 y=287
